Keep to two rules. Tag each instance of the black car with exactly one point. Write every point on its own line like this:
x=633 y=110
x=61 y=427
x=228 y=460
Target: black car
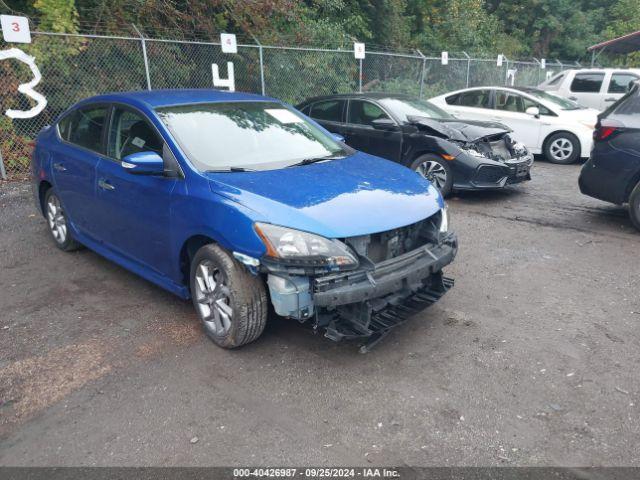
x=453 y=154
x=612 y=172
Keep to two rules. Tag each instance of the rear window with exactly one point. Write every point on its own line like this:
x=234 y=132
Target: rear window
x=330 y=110
x=587 y=82
x=620 y=82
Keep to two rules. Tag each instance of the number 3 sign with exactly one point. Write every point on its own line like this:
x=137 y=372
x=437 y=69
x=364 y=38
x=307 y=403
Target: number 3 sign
x=15 y=29
x=26 y=88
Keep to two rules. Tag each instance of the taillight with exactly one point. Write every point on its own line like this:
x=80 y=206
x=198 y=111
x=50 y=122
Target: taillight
x=603 y=132
x=606 y=128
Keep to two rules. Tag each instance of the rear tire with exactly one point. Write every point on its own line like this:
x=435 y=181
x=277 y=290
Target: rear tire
x=58 y=223
x=436 y=170
x=634 y=206
x=562 y=148
x=231 y=302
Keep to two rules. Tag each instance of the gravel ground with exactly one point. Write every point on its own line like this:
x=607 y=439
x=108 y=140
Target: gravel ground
x=531 y=359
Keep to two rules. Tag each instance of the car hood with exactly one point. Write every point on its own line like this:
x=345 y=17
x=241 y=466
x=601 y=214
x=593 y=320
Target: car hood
x=460 y=130
x=357 y=195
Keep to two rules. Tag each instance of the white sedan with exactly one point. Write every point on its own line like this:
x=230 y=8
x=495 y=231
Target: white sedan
x=547 y=124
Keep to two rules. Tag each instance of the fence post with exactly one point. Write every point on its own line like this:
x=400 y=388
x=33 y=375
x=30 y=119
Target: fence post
x=262 y=86
x=424 y=66
x=360 y=78
x=3 y=172
x=468 y=67
x=144 y=55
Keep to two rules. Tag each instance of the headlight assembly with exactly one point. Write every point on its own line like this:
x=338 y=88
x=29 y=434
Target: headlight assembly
x=296 y=248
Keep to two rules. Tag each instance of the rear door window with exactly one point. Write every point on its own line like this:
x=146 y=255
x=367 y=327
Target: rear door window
x=587 y=82
x=620 y=82
x=329 y=110
x=474 y=99
x=84 y=127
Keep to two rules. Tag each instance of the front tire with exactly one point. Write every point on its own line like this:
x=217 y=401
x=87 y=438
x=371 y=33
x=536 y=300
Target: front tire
x=58 y=223
x=634 y=206
x=562 y=148
x=436 y=170
x=231 y=303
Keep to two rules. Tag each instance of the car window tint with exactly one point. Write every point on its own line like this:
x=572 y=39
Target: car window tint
x=452 y=99
x=474 y=98
x=330 y=110
x=64 y=126
x=306 y=110
x=620 y=82
x=555 y=80
x=364 y=113
x=512 y=102
x=84 y=127
x=587 y=82
x=131 y=133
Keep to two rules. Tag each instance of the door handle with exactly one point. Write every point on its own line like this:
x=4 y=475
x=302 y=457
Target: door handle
x=59 y=167
x=105 y=185
x=610 y=99
x=573 y=98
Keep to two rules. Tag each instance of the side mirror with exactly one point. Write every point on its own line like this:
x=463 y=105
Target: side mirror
x=383 y=124
x=143 y=163
x=533 y=111
x=337 y=137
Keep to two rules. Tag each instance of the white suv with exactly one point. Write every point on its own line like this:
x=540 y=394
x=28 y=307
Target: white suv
x=592 y=87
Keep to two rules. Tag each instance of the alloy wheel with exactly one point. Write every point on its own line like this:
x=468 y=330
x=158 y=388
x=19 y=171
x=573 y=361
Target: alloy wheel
x=434 y=172
x=561 y=149
x=213 y=298
x=56 y=219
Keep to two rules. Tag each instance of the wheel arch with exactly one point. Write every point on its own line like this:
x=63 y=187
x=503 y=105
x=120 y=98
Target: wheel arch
x=189 y=248
x=43 y=187
x=635 y=179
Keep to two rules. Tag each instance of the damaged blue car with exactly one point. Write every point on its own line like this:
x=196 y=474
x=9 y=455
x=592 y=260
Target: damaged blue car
x=237 y=201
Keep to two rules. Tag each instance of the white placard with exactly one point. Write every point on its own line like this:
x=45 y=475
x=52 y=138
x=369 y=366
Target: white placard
x=444 y=58
x=549 y=74
x=283 y=115
x=229 y=82
x=358 y=51
x=15 y=29
x=511 y=76
x=228 y=42
x=543 y=63
x=499 y=61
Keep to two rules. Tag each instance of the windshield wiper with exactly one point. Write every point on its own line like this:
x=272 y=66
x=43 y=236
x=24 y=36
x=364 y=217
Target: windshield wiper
x=232 y=169
x=309 y=161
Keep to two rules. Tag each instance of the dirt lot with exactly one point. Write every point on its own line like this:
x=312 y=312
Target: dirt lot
x=532 y=358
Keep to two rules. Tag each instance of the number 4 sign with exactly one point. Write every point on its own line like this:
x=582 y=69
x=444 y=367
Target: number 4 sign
x=15 y=29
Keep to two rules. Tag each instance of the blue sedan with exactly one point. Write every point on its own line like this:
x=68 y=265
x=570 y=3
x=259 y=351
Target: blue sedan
x=238 y=200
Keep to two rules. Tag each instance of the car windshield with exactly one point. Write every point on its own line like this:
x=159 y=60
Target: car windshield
x=406 y=107
x=246 y=135
x=561 y=102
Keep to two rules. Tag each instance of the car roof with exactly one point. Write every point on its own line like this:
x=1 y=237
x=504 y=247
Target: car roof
x=369 y=95
x=164 y=98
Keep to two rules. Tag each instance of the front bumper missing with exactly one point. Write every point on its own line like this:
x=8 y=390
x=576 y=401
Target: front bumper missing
x=509 y=172
x=368 y=304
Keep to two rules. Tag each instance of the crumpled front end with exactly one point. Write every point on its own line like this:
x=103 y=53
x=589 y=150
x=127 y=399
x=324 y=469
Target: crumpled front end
x=501 y=162
x=399 y=274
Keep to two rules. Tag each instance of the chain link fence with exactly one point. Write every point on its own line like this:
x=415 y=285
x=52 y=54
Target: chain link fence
x=78 y=66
